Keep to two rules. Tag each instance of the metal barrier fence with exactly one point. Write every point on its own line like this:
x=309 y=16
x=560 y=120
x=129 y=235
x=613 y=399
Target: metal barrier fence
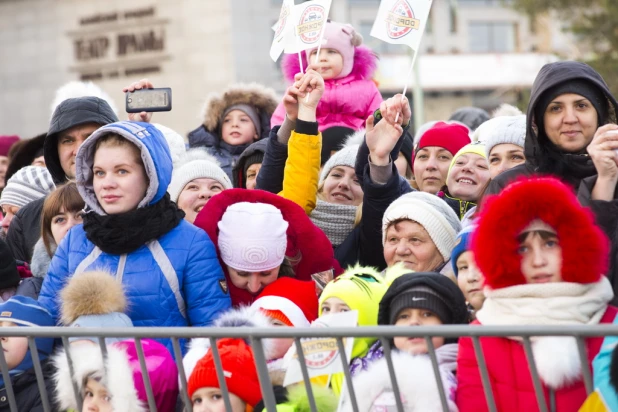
x=257 y=335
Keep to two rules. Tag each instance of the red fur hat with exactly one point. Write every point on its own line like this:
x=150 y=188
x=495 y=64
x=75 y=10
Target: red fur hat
x=502 y=218
x=304 y=238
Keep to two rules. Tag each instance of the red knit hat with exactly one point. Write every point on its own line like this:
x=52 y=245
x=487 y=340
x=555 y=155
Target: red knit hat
x=503 y=217
x=238 y=367
x=451 y=136
x=289 y=299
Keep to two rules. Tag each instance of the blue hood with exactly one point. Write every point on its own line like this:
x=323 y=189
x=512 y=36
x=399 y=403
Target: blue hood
x=155 y=156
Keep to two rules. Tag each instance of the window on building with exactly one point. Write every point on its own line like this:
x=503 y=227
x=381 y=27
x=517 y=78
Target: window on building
x=491 y=37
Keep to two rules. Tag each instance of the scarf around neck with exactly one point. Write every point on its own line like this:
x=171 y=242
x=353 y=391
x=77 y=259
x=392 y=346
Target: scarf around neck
x=336 y=221
x=561 y=303
x=126 y=232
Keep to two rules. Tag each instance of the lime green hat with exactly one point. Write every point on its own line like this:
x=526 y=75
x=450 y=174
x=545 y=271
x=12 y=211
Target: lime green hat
x=474 y=148
x=361 y=288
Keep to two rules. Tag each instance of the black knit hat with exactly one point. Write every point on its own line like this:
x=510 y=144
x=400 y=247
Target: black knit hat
x=333 y=139
x=9 y=276
x=428 y=290
x=257 y=157
x=581 y=87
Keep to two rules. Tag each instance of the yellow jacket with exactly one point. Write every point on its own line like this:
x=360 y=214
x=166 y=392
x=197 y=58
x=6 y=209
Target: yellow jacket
x=302 y=170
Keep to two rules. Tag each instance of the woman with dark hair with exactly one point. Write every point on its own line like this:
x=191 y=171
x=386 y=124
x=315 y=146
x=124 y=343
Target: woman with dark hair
x=569 y=104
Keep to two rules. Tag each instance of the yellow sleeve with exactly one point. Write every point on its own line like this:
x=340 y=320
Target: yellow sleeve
x=302 y=170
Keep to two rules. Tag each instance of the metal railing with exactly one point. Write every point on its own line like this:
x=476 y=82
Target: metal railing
x=255 y=336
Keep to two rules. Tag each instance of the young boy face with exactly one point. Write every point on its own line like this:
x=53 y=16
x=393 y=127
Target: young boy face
x=470 y=280
x=120 y=181
x=211 y=400
x=15 y=349
x=416 y=317
x=96 y=397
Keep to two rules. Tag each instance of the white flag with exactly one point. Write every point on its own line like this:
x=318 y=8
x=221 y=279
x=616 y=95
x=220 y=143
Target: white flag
x=308 y=20
x=283 y=29
x=401 y=21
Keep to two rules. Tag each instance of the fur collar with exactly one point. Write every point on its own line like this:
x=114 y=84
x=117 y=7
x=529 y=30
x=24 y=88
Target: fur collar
x=117 y=376
x=365 y=64
x=40 y=259
x=418 y=389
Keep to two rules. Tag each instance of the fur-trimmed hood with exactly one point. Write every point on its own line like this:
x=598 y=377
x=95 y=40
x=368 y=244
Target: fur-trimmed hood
x=262 y=98
x=416 y=381
x=242 y=317
x=365 y=65
x=91 y=293
x=584 y=246
x=120 y=374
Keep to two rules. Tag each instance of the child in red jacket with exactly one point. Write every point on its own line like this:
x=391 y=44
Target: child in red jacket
x=543 y=259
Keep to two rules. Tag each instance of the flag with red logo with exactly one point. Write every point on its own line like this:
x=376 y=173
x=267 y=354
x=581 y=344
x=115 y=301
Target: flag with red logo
x=283 y=29
x=308 y=21
x=401 y=21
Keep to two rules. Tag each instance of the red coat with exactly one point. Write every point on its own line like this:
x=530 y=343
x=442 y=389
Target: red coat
x=510 y=376
x=305 y=240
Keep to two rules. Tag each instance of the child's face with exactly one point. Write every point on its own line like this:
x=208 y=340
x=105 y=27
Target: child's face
x=62 y=222
x=468 y=177
x=342 y=187
x=333 y=305
x=238 y=128
x=253 y=282
x=416 y=317
x=470 y=280
x=15 y=349
x=211 y=400
x=120 y=181
x=280 y=345
x=541 y=257
x=330 y=62
x=96 y=397
x=196 y=194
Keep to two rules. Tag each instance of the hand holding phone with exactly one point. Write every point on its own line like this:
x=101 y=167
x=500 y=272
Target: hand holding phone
x=149 y=100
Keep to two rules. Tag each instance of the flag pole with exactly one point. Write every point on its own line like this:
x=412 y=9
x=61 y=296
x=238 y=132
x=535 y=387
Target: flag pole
x=405 y=87
x=317 y=54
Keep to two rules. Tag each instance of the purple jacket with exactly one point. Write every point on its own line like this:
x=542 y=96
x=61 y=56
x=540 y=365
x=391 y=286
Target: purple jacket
x=346 y=102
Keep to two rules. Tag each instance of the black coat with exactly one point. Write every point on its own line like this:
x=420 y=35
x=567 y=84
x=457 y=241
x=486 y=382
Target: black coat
x=364 y=243
x=606 y=216
x=270 y=177
x=26 y=390
x=25 y=230
x=542 y=156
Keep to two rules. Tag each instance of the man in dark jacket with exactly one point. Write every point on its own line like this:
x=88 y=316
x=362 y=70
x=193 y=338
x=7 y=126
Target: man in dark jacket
x=72 y=122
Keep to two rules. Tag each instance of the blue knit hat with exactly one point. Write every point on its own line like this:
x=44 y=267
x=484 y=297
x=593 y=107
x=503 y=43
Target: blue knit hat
x=462 y=245
x=25 y=311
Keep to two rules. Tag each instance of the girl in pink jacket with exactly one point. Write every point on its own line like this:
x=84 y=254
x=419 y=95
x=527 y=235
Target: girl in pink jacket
x=350 y=94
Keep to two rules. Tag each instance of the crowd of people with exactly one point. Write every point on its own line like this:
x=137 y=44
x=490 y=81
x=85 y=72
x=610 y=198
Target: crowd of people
x=281 y=211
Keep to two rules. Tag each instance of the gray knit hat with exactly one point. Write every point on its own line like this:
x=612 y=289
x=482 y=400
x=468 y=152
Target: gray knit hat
x=501 y=130
x=344 y=157
x=431 y=212
x=28 y=184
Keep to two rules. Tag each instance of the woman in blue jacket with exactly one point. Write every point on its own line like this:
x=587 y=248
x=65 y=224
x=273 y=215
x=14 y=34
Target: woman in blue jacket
x=168 y=267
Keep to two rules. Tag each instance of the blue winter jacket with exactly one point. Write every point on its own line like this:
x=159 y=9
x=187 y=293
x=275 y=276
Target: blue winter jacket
x=175 y=280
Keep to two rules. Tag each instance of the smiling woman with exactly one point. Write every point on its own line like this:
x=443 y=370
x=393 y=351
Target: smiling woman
x=197 y=177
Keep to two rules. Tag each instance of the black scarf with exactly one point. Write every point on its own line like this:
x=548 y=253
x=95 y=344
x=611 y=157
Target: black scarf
x=126 y=232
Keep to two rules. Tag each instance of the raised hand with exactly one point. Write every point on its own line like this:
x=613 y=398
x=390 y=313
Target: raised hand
x=142 y=84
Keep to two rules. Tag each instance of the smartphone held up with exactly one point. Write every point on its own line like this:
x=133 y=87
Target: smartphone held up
x=149 y=100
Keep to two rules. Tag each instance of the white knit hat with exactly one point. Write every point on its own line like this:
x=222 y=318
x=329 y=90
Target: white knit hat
x=28 y=184
x=175 y=142
x=195 y=164
x=431 y=212
x=500 y=130
x=252 y=237
x=344 y=157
